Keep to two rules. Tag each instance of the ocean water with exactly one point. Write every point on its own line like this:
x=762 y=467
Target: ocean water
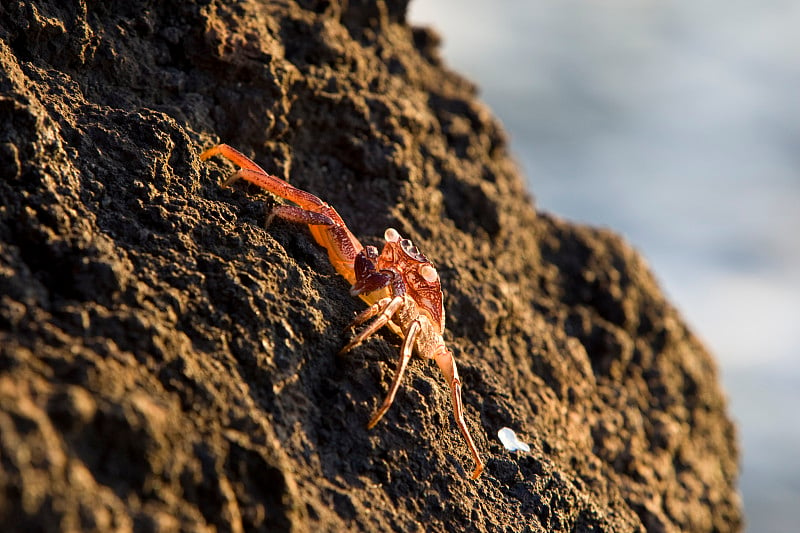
x=677 y=124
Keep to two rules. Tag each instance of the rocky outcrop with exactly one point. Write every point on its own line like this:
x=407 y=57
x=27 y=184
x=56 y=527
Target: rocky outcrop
x=168 y=363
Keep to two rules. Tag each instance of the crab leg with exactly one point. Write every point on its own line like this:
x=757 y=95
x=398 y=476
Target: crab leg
x=405 y=355
x=233 y=155
x=325 y=224
x=447 y=364
x=387 y=307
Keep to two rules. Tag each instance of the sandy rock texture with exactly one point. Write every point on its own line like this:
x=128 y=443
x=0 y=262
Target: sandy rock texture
x=169 y=363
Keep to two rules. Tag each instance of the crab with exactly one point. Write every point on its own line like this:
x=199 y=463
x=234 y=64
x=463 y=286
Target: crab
x=399 y=283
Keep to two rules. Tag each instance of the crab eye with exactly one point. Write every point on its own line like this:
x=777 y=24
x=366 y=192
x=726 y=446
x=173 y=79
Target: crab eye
x=428 y=273
x=391 y=235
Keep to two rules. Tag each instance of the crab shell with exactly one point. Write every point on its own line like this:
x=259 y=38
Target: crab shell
x=420 y=276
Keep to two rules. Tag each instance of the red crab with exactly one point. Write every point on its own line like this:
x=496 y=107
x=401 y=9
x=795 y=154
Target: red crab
x=400 y=284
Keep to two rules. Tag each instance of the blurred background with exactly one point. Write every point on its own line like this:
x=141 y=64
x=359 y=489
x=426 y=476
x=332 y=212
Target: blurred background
x=677 y=124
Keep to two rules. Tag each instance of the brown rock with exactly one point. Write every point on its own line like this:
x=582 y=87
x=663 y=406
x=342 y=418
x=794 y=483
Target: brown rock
x=167 y=363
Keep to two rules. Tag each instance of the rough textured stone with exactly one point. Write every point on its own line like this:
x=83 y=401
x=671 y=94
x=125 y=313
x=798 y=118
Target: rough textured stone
x=168 y=363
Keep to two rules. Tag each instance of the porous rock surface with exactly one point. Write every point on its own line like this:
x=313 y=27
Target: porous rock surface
x=168 y=363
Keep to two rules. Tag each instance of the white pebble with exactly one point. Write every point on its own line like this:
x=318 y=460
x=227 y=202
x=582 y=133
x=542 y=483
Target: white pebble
x=511 y=442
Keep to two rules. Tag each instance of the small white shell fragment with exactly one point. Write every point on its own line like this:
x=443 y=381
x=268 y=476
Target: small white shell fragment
x=511 y=442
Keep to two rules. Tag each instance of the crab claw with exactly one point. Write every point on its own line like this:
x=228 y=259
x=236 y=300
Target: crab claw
x=368 y=278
